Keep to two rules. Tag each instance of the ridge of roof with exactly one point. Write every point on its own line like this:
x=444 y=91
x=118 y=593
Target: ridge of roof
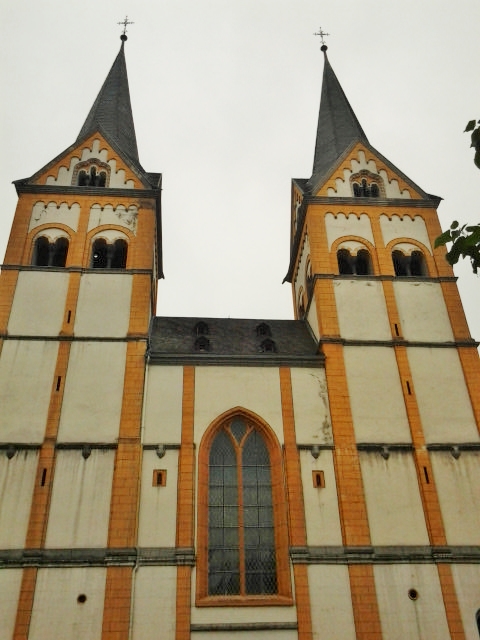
x=338 y=126
x=112 y=109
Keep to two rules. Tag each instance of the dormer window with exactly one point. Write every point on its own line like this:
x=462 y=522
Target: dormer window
x=201 y=329
x=202 y=344
x=268 y=346
x=263 y=329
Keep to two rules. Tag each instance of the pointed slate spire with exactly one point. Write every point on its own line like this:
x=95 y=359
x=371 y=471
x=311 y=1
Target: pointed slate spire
x=112 y=110
x=338 y=126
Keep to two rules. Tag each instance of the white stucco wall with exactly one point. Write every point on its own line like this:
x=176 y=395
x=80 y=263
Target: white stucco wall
x=80 y=503
x=108 y=215
x=17 y=479
x=361 y=308
x=103 y=307
x=10 y=584
x=347 y=224
x=53 y=213
x=218 y=389
x=394 y=505
x=458 y=488
x=321 y=505
x=332 y=614
x=154 y=605
x=158 y=505
x=310 y=404
x=376 y=397
x=26 y=378
x=442 y=395
x=312 y=319
x=39 y=304
x=422 y=311
x=466 y=578
x=92 y=399
x=403 y=618
x=56 y=612
x=397 y=227
x=163 y=405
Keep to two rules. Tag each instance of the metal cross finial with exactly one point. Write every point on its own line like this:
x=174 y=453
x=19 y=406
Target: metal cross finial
x=125 y=23
x=322 y=35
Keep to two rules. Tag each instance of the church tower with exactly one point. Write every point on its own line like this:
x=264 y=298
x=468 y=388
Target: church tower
x=78 y=290
x=403 y=382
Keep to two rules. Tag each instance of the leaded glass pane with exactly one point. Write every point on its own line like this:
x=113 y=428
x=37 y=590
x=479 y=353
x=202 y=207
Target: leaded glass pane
x=223 y=572
x=223 y=552
x=260 y=569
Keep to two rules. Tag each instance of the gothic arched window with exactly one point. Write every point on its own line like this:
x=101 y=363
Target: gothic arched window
x=243 y=556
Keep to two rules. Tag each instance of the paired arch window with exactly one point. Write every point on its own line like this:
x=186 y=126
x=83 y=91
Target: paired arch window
x=245 y=554
x=355 y=265
x=47 y=253
x=107 y=255
x=409 y=265
x=363 y=189
x=92 y=178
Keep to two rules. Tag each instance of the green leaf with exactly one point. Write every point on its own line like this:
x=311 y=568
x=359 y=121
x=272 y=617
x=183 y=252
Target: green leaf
x=470 y=125
x=443 y=239
x=454 y=224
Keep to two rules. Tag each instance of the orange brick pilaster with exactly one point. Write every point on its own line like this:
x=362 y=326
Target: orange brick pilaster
x=186 y=503
x=298 y=534
x=364 y=601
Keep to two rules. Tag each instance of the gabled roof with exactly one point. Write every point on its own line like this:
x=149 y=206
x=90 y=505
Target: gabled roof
x=338 y=126
x=232 y=341
x=112 y=110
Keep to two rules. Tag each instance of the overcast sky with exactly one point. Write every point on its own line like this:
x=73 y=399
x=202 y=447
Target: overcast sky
x=225 y=97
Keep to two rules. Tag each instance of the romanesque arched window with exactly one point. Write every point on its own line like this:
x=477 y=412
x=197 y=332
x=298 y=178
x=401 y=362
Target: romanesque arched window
x=91 y=173
x=109 y=255
x=359 y=264
x=50 y=253
x=366 y=184
x=409 y=265
x=240 y=503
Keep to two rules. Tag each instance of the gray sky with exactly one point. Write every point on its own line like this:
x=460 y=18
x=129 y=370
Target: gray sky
x=225 y=97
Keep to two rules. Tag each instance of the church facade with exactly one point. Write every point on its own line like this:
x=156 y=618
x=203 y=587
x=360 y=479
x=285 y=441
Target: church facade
x=187 y=478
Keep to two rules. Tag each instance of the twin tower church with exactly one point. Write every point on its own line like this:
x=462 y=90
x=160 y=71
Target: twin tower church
x=180 y=478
